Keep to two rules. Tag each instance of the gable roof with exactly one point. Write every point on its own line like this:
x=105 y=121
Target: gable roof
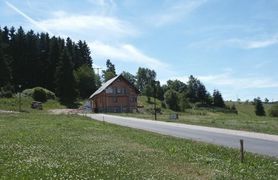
x=108 y=83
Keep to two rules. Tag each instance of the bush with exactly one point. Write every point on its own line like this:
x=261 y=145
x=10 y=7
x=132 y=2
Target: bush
x=6 y=91
x=39 y=94
x=6 y=94
x=30 y=93
x=273 y=111
x=50 y=94
x=233 y=109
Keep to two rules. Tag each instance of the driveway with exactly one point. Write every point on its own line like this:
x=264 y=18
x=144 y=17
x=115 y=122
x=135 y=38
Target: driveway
x=263 y=144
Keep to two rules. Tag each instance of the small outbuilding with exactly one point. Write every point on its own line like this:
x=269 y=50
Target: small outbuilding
x=115 y=95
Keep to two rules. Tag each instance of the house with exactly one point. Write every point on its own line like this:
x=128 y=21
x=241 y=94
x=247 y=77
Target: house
x=116 y=95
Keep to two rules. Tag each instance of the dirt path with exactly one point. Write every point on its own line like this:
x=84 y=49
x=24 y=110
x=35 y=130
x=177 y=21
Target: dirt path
x=4 y=111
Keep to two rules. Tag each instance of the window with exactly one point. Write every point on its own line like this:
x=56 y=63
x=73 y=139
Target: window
x=109 y=90
x=114 y=90
x=133 y=99
x=119 y=90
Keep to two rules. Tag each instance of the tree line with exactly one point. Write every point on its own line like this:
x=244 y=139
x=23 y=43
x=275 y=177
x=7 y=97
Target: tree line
x=29 y=59
x=176 y=94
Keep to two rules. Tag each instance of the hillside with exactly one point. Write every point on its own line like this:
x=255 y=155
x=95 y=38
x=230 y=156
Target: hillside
x=244 y=120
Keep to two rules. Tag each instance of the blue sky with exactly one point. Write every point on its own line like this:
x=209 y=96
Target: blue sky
x=230 y=45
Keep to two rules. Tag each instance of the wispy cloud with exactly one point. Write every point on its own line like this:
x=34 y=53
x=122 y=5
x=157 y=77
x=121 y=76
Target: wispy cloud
x=104 y=6
x=261 y=43
x=98 y=25
x=28 y=18
x=262 y=64
x=242 y=43
x=127 y=53
x=230 y=80
x=176 y=11
x=247 y=82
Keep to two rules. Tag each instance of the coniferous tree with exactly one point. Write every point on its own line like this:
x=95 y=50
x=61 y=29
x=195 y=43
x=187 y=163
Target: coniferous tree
x=197 y=92
x=19 y=64
x=54 y=55
x=86 y=79
x=130 y=77
x=259 y=108
x=5 y=71
x=32 y=64
x=43 y=57
x=84 y=54
x=217 y=99
x=66 y=87
x=110 y=72
x=33 y=58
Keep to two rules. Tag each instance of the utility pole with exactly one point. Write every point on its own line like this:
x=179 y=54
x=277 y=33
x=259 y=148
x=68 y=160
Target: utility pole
x=19 y=98
x=154 y=83
x=97 y=70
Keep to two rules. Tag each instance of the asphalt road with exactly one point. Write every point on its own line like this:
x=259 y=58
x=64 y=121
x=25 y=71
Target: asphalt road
x=264 y=144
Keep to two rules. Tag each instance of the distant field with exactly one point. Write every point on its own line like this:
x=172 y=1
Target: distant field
x=244 y=120
x=39 y=145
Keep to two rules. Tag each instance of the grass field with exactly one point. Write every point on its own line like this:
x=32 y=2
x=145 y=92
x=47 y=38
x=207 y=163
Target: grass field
x=244 y=120
x=39 y=145
x=12 y=104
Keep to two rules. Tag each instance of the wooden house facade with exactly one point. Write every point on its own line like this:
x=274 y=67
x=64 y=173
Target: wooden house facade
x=116 y=95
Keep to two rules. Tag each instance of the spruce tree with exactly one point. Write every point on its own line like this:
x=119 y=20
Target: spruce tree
x=5 y=71
x=217 y=99
x=110 y=72
x=54 y=55
x=86 y=79
x=259 y=108
x=84 y=54
x=66 y=87
x=32 y=58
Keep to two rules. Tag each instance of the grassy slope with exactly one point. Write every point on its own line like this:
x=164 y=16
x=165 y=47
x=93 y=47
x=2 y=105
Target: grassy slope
x=245 y=120
x=12 y=104
x=38 y=145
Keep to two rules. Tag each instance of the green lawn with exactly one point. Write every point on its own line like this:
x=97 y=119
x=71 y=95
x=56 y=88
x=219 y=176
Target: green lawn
x=39 y=145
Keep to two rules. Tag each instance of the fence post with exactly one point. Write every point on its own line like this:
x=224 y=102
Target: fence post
x=241 y=151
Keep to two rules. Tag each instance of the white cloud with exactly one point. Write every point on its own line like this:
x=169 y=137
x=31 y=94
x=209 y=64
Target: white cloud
x=94 y=24
x=243 y=43
x=262 y=43
x=126 y=53
x=176 y=12
x=248 y=82
x=229 y=80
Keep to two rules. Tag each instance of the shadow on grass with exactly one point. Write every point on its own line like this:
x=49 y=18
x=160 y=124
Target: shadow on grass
x=71 y=105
